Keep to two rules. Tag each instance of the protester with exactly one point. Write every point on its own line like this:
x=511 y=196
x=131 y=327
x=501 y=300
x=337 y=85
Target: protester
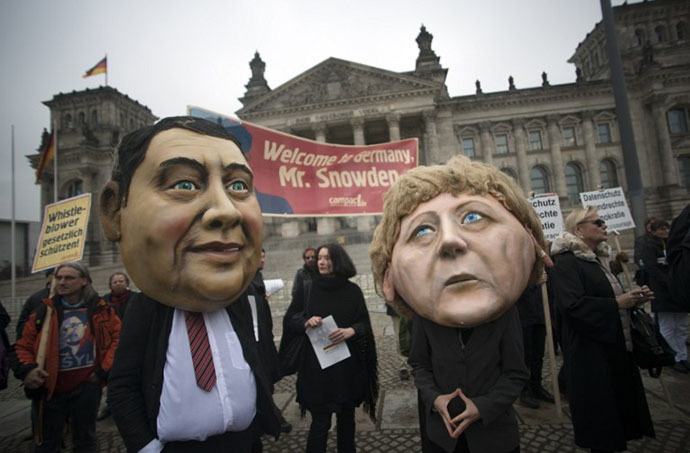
x=120 y=295
x=604 y=388
x=260 y=313
x=33 y=301
x=640 y=276
x=182 y=205
x=341 y=387
x=401 y=336
x=84 y=334
x=531 y=310
x=457 y=245
x=671 y=315
x=307 y=271
x=5 y=348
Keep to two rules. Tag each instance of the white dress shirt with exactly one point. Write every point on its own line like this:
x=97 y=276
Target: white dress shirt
x=187 y=412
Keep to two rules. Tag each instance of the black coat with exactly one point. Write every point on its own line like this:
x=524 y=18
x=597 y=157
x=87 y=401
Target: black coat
x=136 y=378
x=490 y=369
x=652 y=255
x=604 y=387
x=121 y=309
x=32 y=303
x=266 y=345
x=679 y=258
x=347 y=383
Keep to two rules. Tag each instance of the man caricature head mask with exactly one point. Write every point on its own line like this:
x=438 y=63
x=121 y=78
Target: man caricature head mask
x=181 y=203
x=457 y=243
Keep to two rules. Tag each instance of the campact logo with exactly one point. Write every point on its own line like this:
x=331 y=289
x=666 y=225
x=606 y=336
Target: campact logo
x=347 y=201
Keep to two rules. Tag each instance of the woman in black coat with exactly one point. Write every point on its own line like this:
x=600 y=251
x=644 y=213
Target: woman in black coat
x=604 y=388
x=345 y=385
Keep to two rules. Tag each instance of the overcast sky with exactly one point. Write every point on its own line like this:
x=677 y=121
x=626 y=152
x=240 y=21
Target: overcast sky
x=168 y=54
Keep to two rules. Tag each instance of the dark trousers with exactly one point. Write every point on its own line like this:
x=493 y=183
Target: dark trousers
x=231 y=442
x=321 y=423
x=534 y=340
x=81 y=405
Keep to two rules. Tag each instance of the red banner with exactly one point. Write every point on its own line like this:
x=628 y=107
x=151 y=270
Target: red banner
x=300 y=177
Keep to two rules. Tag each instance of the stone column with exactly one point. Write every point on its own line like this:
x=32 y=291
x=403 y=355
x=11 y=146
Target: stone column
x=327 y=225
x=320 y=132
x=555 y=140
x=431 y=137
x=591 y=151
x=668 y=162
x=358 y=131
x=521 y=149
x=393 y=120
x=487 y=142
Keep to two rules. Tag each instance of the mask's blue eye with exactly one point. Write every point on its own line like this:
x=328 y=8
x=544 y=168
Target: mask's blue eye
x=185 y=185
x=471 y=217
x=422 y=230
x=238 y=186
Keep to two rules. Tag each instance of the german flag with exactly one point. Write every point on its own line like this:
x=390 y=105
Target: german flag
x=100 y=68
x=47 y=154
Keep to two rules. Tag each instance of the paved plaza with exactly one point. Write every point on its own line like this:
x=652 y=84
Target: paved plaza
x=396 y=429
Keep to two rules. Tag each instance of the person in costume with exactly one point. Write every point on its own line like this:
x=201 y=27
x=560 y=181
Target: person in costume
x=187 y=375
x=457 y=245
x=84 y=334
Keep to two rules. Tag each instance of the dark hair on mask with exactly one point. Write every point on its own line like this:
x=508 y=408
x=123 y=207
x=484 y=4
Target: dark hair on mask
x=132 y=149
x=341 y=261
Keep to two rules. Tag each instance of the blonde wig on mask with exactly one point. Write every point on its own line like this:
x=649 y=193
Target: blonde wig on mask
x=459 y=175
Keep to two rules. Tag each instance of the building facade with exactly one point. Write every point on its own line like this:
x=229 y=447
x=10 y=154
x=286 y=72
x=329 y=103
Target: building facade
x=89 y=126
x=551 y=138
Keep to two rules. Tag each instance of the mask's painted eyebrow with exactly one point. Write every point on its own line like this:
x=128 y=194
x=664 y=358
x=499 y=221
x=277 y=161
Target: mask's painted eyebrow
x=165 y=166
x=241 y=167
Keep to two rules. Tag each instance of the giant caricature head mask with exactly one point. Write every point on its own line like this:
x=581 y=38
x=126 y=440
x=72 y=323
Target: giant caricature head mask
x=457 y=243
x=181 y=203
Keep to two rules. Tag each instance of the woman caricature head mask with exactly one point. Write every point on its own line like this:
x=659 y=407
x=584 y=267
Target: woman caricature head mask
x=458 y=243
x=181 y=203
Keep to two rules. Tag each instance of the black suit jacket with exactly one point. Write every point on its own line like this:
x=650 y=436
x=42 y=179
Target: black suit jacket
x=490 y=370
x=136 y=379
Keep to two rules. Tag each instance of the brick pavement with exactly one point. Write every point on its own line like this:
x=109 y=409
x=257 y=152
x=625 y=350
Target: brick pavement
x=396 y=429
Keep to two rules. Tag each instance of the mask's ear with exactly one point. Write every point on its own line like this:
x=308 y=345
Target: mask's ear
x=387 y=286
x=109 y=212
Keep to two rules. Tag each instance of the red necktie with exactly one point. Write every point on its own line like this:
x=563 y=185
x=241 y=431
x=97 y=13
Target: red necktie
x=201 y=350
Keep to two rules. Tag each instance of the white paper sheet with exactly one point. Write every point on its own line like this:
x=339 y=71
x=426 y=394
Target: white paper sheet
x=327 y=353
x=273 y=286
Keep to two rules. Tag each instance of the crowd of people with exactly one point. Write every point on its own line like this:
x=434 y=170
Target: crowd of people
x=190 y=363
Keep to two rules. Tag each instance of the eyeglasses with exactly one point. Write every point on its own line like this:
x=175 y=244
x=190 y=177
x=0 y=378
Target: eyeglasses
x=309 y=257
x=598 y=222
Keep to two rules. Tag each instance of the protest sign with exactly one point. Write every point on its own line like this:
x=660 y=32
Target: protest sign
x=611 y=206
x=294 y=176
x=63 y=233
x=548 y=208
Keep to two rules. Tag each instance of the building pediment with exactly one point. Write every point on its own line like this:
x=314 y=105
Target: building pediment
x=335 y=82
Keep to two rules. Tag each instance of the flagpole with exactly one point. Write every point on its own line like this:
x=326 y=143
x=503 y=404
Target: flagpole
x=14 y=229
x=106 y=69
x=55 y=163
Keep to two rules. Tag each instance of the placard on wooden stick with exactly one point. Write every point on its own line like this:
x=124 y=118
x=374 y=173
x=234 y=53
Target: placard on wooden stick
x=63 y=233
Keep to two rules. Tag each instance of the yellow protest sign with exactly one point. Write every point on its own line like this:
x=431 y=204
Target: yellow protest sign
x=63 y=233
